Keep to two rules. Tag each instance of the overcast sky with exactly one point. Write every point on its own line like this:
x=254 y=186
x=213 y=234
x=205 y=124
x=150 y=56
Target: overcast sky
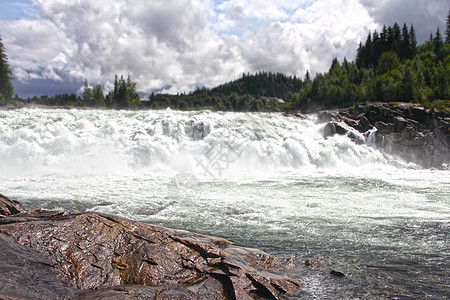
x=178 y=45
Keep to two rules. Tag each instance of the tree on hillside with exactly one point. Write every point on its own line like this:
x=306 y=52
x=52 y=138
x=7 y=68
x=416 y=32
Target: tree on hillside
x=87 y=93
x=307 y=77
x=447 y=31
x=413 y=41
x=98 y=98
x=124 y=94
x=6 y=88
x=437 y=41
x=405 y=44
x=93 y=96
x=388 y=62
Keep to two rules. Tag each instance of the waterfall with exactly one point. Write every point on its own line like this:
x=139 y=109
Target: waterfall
x=108 y=142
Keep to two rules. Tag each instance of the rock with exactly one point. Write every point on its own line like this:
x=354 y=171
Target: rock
x=96 y=256
x=399 y=123
x=337 y=273
x=363 y=122
x=406 y=134
x=357 y=139
x=406 y=131
x=197 y=131
x=333 y=128
x=384 y=128
x=28 y=274
x=9 y=207
x=329 y=130
x=418 y=114
x=351 y=122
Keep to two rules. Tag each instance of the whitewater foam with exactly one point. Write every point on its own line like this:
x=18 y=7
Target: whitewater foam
x=76 y=142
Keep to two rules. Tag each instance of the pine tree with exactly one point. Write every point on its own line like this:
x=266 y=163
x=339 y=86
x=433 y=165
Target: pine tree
x=97 y=96
x=377 y=45
x=369 y=50
x=412 y=40
x=87 y=94
x=405 y=45
x=447 y=31
x=360 y=56
x=397 y=37
x=383 y=38
x=390 y=40
x=6 y=88
x=438 y=42
x=307 y=76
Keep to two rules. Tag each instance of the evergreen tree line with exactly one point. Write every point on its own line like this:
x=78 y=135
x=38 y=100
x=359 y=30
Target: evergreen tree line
x=391 y=39
x=123 y=96
x=258 y=92
x=388 y=67
x=56 y=100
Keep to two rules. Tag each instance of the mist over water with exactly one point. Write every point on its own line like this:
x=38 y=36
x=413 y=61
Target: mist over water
x=261 y=180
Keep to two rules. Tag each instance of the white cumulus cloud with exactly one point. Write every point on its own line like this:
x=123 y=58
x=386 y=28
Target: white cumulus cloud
x=178 y=45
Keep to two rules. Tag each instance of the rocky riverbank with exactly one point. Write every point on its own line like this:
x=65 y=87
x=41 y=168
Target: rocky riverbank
x=406 y=131
x=58 y=255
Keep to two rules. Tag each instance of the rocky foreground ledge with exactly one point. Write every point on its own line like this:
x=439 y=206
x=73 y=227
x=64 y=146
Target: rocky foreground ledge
x=58 y=255
x=404 y=130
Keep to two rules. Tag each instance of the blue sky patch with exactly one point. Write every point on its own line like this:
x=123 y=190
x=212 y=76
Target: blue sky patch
x=17 y=9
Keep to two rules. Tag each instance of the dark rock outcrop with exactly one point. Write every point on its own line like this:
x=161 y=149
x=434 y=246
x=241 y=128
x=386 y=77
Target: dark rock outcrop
x=197 y=131
x=9 y=207
x=405 y=130
x=55 y=255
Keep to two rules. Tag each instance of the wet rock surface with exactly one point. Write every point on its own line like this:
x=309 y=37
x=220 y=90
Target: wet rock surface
x=405 y=130
x=56 y=255
x=8 y=207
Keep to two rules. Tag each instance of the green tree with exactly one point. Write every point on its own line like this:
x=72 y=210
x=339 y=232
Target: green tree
x=447 y=31
x=438 y=42
x=307 y=77
x=125 y=96
x=412 y=40
x=97 y=96
x=6 y=88
x=135 y=100
x=387 y=62
x=405 y=45
x=87 y=93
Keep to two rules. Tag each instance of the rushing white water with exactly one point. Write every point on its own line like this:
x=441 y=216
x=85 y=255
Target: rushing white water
x=260 y=180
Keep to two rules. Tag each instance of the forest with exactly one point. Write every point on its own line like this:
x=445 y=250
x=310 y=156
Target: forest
x=389 y=67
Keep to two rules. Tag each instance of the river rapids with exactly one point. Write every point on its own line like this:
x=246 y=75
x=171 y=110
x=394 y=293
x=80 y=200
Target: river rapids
x=261 y=180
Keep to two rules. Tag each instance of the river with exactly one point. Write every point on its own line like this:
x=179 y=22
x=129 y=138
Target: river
x=261 y=180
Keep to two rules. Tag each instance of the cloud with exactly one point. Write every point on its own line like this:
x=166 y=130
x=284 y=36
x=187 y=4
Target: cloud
x=426 y=16
x=178 y=45
x=33 y=46
x=310 y=39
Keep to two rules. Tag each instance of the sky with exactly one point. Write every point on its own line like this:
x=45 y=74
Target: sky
x=177 y=46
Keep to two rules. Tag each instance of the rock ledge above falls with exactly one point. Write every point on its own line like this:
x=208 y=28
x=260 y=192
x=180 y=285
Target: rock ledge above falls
x=405 y=130
x=55 y=255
